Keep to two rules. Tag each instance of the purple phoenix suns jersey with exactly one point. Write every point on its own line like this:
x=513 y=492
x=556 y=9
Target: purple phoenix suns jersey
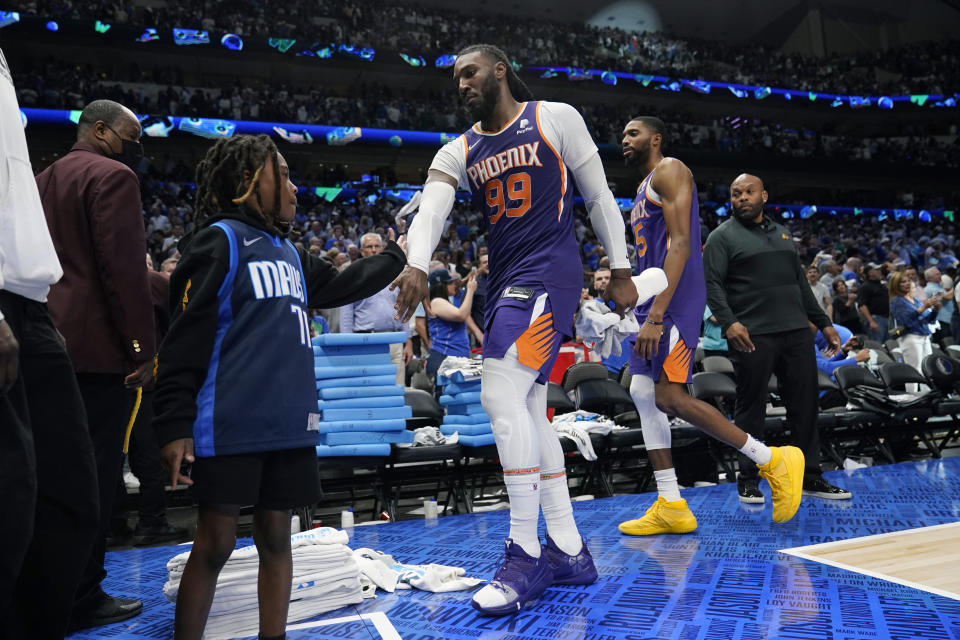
x=521 y=184
x=652 y=240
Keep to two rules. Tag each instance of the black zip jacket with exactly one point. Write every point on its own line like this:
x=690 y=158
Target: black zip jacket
x=754 y=277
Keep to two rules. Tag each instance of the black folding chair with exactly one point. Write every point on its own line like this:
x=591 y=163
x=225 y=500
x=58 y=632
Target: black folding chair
x=943 y=374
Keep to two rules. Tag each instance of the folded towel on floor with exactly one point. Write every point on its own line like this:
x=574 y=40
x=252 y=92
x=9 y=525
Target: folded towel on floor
x=427 y=577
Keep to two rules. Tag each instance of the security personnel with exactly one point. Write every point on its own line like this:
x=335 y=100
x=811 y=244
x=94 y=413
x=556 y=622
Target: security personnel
x=760 y=297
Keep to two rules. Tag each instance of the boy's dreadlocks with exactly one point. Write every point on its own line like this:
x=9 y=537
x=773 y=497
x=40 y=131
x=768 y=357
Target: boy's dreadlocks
x=220 y=182
x=519 y=90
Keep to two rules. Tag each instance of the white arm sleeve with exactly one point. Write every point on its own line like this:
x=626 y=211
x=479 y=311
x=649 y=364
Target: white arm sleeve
x=565 y=129
x=427 y=227
x=605 y=216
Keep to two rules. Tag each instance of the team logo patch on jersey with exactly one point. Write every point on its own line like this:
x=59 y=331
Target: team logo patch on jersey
x=524 y=126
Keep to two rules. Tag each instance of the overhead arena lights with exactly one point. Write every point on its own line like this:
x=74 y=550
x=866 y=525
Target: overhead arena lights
x=414 y=61
x=8 y=18
x=149 y=35
x=186 y=37
x=232 y=41
x=703 y=87
x=445 y=61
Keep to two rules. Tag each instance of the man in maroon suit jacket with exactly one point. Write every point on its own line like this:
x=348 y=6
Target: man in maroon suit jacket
x=102 y=306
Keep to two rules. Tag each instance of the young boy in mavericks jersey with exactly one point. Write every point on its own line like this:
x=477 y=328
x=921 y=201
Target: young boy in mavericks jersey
x=235 y=392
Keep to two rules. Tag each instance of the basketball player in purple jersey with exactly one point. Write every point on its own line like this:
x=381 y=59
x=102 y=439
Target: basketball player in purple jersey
x=517 y=162
x=666 y=228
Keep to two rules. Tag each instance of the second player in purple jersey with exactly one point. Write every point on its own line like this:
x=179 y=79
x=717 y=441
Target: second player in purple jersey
x=649 y=230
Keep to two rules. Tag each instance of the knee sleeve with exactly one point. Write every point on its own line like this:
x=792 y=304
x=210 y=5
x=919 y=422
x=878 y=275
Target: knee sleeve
x=503 y=393
x=655 y=425
x=551 y=453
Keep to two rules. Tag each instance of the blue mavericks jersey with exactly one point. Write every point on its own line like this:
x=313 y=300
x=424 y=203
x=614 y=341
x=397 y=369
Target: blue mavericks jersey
x=520 y=183
x=258 y=394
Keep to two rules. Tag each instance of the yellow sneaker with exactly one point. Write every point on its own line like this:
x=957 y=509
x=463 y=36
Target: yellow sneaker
x=662 y=517
x=784 y=472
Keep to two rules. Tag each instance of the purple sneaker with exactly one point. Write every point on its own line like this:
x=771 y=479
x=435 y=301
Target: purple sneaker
x=520 y=578
x=567 y=569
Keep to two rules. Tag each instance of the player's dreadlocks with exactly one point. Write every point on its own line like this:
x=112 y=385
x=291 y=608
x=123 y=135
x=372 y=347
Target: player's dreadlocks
x=220 y=182
x=519 y=90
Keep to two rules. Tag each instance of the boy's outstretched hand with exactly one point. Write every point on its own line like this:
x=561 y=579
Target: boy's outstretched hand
x=173 y=454
x=412 y=283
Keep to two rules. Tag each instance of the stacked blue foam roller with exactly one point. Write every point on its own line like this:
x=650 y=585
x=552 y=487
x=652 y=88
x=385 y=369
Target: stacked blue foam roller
x=361 y=405
x=465 y=414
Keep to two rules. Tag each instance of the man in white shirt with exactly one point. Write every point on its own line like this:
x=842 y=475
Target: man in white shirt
x=47 y=469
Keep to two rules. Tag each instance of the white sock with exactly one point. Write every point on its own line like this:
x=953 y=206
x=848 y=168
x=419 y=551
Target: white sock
x=667 y=484
x=756 y=450
x=524 y=492
x=558 y=512
x=554 y=494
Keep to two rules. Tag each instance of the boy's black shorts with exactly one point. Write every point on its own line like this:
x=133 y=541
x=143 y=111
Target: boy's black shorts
x=280 y=480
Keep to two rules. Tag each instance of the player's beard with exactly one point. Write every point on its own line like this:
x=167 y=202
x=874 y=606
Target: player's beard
x=489 y=95
x=639 y=156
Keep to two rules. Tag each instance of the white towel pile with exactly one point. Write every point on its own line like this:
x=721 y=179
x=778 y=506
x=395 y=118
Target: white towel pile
x=578 y=425
x=325 y=577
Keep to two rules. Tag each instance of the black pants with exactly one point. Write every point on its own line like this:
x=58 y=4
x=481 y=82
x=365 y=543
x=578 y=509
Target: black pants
x=108 y=405
x=790 y=355
x=65 y=518
x=145 y=464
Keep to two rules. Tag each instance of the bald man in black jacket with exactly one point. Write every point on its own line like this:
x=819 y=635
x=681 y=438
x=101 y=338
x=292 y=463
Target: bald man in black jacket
x=760 y=297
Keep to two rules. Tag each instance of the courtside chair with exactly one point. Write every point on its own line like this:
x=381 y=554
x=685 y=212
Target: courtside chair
x=422 y=471
x=558 y=400
x=720 y=390
x=874 y=432
x=943 y=375
x=718 y=364
x=898 y=374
